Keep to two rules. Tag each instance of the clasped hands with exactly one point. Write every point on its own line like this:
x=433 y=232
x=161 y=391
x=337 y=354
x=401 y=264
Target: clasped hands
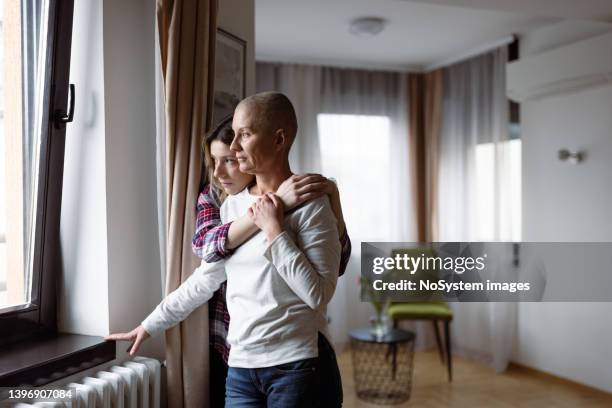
x=268 y=211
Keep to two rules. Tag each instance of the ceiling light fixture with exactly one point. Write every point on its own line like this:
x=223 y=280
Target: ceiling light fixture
x=367 y=26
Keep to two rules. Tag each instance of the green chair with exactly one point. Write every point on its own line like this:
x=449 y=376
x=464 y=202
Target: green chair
x=435 y=310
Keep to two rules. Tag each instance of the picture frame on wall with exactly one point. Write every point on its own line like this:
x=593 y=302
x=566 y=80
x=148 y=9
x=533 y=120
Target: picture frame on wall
x=230 y=74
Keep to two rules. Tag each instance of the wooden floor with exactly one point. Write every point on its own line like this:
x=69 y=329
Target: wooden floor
x=478 y=386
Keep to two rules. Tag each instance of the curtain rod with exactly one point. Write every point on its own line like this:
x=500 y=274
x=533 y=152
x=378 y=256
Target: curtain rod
x=471 y=53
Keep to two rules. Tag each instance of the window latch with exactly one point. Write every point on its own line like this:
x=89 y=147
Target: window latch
x=61 y=117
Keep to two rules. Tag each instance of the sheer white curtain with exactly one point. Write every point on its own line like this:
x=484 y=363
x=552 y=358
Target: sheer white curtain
x=476 y=201
x=369 y=97
x=160 y=157
x=354 y=128
x=301 y=84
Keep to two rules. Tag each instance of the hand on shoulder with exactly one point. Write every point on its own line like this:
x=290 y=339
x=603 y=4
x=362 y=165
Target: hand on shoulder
x=299 y=189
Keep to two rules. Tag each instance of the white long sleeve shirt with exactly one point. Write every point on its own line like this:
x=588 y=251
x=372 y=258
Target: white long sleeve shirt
x=194 y=292
x=277 y=292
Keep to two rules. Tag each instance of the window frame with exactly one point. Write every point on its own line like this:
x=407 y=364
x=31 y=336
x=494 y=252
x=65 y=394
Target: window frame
x=38 y=317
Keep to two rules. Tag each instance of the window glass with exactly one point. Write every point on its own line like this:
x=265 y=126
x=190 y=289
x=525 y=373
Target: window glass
x=22 y=45
x=354 y=151
x=508 y=156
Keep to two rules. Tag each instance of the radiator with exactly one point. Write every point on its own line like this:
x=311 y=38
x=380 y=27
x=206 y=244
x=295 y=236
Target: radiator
x=134 y=384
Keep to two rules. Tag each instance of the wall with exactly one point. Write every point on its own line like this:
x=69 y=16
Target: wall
x=134 y=285
x=109 y=221
x=564 y=202
x=564 y=32
x=83 y=300
x=238 y=18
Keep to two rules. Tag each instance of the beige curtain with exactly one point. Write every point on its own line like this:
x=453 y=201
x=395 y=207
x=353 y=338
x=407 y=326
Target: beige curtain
x=425 y=115
x=186 y=30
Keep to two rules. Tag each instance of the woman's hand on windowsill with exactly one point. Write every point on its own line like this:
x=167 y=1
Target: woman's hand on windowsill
x=136 y=336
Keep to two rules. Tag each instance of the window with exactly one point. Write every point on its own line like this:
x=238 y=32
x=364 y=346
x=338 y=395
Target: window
x=354 y=151
x=3 y=265
x=12 y=268
x=503 y=163
x=34 y=67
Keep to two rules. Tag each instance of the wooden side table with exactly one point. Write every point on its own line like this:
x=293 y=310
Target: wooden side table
x=382 y=367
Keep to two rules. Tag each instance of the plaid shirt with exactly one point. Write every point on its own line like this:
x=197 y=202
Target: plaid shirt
x=209 y=243
x=210 y=235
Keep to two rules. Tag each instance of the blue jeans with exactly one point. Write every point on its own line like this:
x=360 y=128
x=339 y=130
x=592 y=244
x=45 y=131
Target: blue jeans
x=313 y=382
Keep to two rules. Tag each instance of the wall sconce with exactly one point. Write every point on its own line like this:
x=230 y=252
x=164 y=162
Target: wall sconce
x=572 y=157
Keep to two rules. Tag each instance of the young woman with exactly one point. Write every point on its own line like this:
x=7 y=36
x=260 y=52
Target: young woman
x=214 y=241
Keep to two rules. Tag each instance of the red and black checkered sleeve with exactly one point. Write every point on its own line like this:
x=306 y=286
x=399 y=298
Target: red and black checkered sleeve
x=210 y=237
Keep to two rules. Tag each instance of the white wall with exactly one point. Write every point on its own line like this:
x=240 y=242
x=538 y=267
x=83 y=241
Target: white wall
x=238 y=18
x=83 y=298
x=109 y=220
x=564 y=202
x=561 y=33
x=134 y=285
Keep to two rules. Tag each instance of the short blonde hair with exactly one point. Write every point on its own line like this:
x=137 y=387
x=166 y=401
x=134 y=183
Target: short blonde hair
x=274 y=109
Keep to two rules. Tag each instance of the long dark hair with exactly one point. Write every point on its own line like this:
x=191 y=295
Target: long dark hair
x=222 y=132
